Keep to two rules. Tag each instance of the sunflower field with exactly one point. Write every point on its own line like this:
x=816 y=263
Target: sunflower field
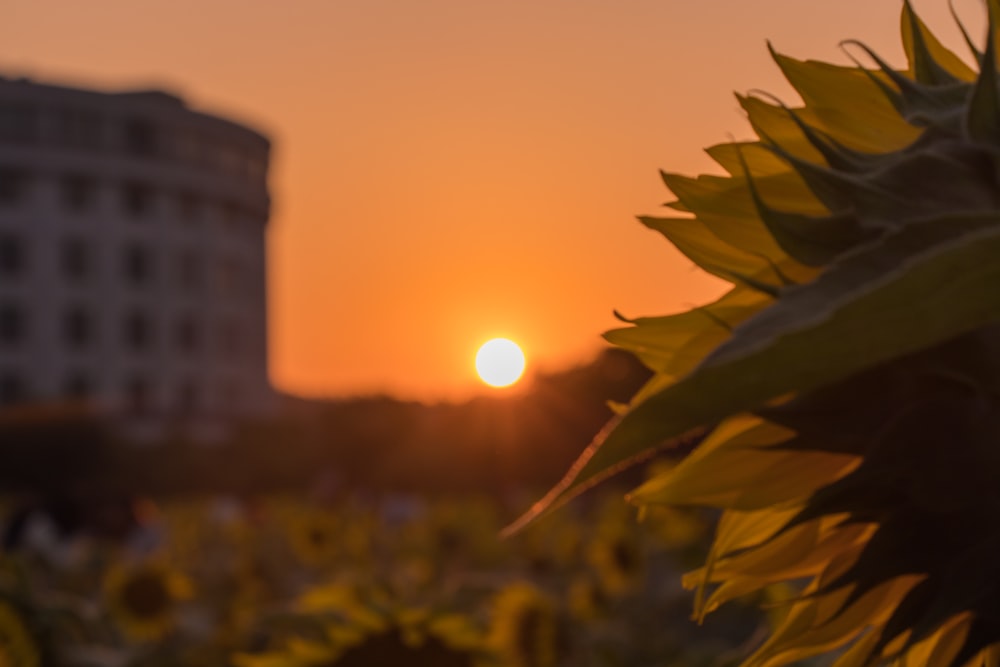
x=835 y=415
x=281 y=582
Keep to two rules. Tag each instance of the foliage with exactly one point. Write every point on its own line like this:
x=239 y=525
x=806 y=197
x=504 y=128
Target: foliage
x=375 y=444
x=842 y=400
x=224 y=582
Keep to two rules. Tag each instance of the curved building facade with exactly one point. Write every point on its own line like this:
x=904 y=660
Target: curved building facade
x=132 y=254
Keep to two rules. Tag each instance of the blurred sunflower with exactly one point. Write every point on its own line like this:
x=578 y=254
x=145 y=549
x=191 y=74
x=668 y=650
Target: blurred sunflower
x=143 y=598
x=618 y=559
x=528 y=629
x=585 y=599
x=370 y=636
x=390 y=647
x=554 y=544
x=186 y=529
x=315 y=537
x=841 y=403
x=18 y=647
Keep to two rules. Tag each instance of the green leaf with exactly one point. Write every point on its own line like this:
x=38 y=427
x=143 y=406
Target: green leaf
x=917 y=286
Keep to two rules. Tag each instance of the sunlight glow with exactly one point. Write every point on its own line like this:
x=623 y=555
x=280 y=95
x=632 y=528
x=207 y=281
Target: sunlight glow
x=500 y=362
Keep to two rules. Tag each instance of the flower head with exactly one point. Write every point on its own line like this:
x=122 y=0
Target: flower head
x=144 y=598
x=841 y=403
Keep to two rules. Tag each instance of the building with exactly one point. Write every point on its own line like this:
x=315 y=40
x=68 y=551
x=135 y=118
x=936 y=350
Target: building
x=132 y=255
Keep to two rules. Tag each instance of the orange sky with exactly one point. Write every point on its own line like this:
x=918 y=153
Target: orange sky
x=447 y=171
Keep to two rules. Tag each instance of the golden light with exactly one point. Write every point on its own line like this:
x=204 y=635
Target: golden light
x=500 y=362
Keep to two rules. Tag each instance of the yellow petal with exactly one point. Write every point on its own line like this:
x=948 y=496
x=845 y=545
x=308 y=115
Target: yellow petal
x=675 y=344
x=848 y=105
x=857 y=655
x=940 y=648
x=697 y=242
x=727 y=208
x=817 y=625
x=989 y=656
x=759 y=160
x=735 y=531
x=799 y=553
x=909 y=22
x=730 y=470
x=802 y=551
x=773 y=123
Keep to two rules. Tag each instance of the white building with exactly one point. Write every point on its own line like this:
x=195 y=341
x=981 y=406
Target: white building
x=132 y=255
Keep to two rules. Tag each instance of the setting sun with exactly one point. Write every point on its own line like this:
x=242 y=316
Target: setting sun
x=500 y=362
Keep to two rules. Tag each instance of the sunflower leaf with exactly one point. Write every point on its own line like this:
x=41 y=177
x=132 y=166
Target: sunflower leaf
x=919 y=285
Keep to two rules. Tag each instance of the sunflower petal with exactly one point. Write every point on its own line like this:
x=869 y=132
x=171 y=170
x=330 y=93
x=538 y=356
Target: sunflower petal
x=930 y=62
x=873 y=289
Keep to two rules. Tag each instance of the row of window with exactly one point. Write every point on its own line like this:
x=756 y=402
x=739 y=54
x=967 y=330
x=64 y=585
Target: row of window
x=138 y=391
x=81 y=330
x=79 y=193
x=190 y=270
x=25 y=123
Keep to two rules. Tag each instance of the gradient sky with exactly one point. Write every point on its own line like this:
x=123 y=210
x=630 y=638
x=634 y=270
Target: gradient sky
x=447 y=171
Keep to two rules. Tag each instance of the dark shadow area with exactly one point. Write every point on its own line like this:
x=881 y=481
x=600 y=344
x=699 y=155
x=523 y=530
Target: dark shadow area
x=368 y=446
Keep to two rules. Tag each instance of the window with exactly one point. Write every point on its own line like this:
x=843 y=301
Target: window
x=187 y=146
x=138 y=332
x=256 y=169
x=12 y=388
x=231 y=216
x=138 y=264
x=18 y=123
x=189 y=206
x=230 y=160
x=230 y=396
x=12 y=260
x=14 y=185
x=75 y=259
x=78 y=327
x=140 y=138
x=137 y=394
x=78 y=193
x=229 y=277
x=13 y=327
x=79 y=386
x=190 y=271
x=188 y=397
x=137 y=200
x=188 y=334
x=77 y=128
x=230 y=339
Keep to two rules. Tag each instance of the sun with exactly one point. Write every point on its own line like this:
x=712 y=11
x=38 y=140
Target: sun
x=500 y=362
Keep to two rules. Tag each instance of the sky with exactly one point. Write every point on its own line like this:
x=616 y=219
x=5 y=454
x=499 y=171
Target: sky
x=448 y=171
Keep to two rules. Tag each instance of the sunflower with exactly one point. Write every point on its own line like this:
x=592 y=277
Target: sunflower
x=390 y=647
x=841 y=403
x=370 y=635
x=18 y=647
x=554 y=544
x=315 y=537
x=586 y=599
x=143 y=598
x=528 y=630
x=616 y=555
